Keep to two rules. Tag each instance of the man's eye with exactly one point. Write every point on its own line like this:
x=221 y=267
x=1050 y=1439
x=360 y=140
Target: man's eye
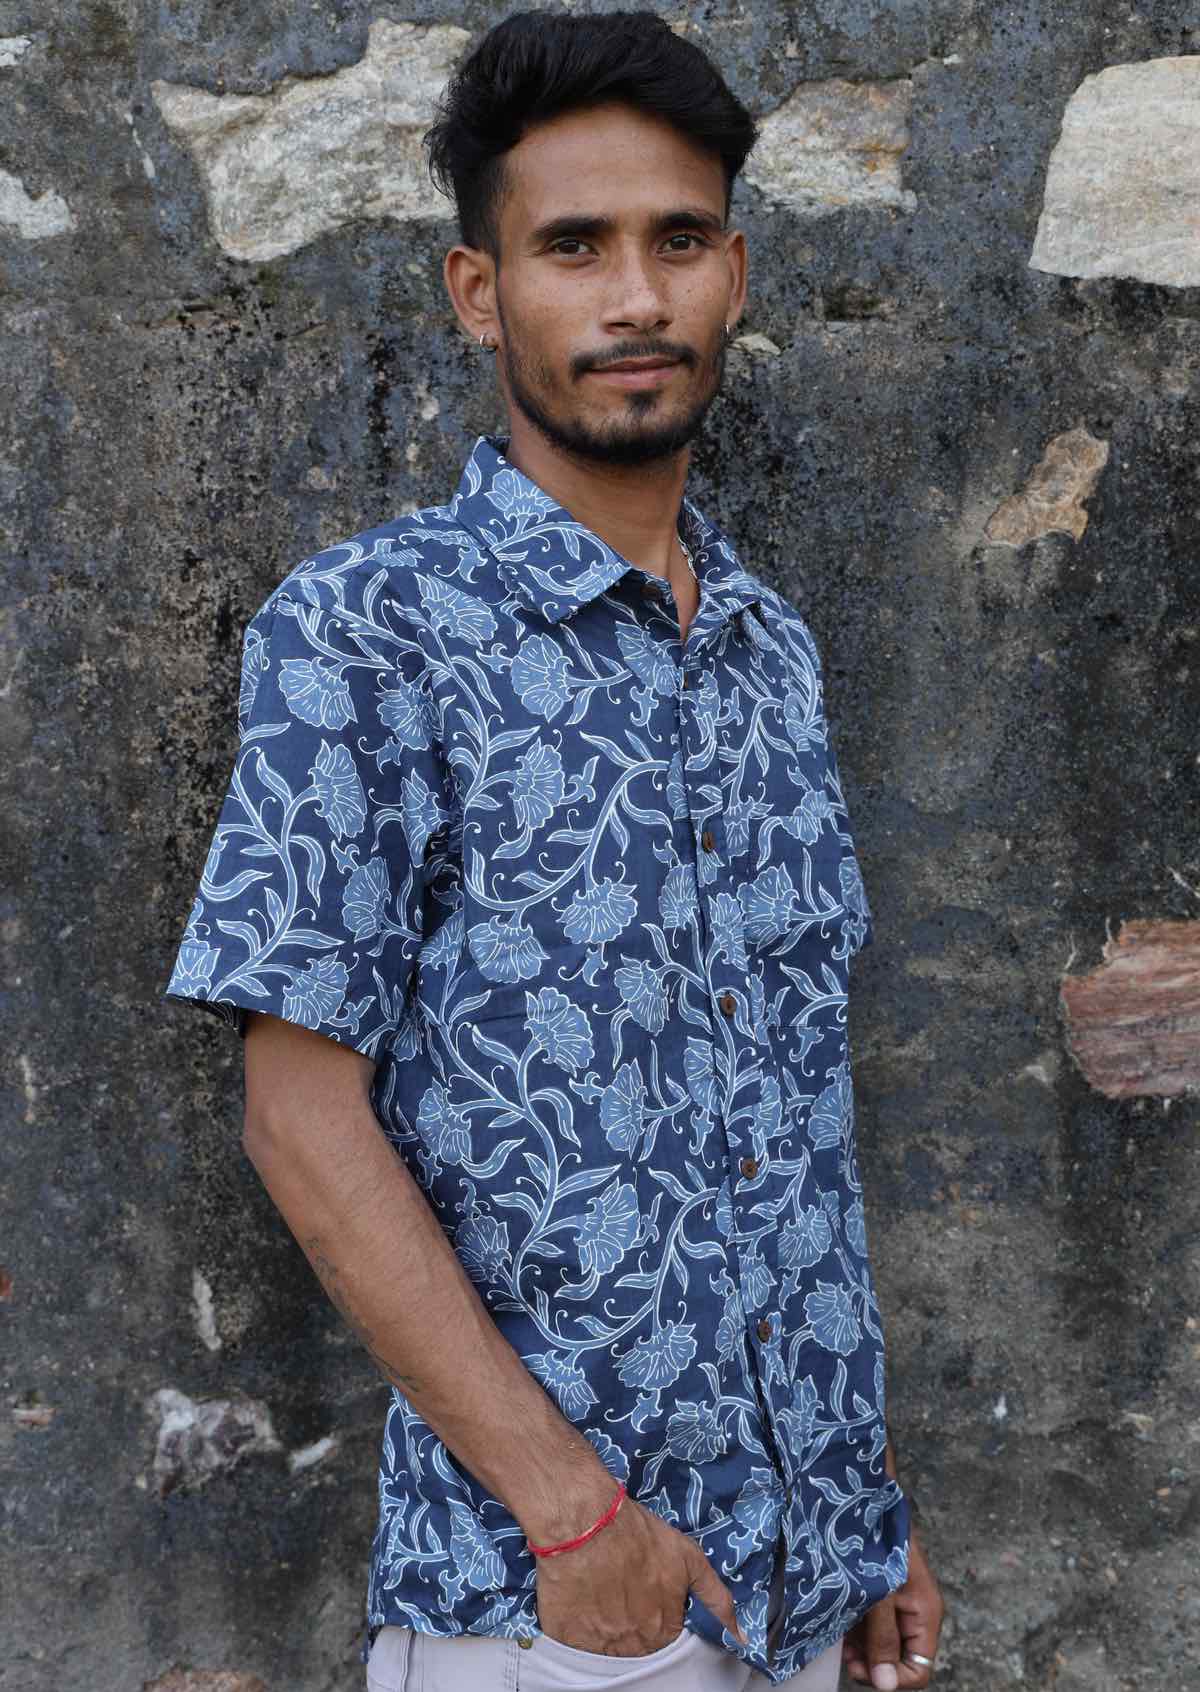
x=682 y=236
x=568 y=241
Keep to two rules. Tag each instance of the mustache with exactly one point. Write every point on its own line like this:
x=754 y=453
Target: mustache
x=674 y=350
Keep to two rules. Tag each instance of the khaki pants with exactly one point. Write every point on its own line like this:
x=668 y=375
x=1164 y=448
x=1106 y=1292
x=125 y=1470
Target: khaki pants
x=403 y=1660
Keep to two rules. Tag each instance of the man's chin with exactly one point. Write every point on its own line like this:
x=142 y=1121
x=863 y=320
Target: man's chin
x=625 y=441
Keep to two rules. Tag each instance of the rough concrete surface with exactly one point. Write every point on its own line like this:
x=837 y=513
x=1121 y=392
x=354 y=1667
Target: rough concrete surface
x=1018 y=720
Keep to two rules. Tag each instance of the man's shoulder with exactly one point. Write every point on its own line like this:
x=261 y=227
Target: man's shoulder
x=387 y=563
x=783 y=618
x=779 y=613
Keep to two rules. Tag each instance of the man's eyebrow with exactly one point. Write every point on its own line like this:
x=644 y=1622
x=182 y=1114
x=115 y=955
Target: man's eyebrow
x=579 y=226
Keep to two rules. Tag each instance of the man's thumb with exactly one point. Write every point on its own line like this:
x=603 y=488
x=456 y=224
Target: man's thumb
x=712 y=1591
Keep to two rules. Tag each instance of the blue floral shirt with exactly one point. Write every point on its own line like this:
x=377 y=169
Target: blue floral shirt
x=589 y=899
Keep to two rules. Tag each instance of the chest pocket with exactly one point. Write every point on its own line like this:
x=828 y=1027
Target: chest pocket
x=558 y=857
x=794 y=889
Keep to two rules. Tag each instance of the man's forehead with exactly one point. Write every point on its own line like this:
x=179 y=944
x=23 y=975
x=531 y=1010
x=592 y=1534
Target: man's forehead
x=565 y=166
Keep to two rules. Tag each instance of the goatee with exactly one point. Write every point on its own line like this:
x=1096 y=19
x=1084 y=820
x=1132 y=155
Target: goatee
x=634 y=439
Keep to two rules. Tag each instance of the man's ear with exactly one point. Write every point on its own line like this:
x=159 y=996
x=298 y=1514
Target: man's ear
x=470 y=277
x=736 y=258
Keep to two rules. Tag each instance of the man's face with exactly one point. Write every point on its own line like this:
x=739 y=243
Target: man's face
x=616 y=280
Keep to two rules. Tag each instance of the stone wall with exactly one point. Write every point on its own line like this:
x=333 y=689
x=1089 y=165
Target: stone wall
x=961 y=430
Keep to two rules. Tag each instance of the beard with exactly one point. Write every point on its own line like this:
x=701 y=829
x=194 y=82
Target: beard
x=639 y=433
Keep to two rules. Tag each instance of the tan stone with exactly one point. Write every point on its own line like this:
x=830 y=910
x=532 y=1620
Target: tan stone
x=1122 y=191
x=834 y=144
x=280 y=169
x=1133 y=1023
x=1052 y=499
x=34 y=1415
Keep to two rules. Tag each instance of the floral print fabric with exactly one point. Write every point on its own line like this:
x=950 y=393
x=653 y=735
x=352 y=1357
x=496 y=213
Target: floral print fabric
x=589 y=899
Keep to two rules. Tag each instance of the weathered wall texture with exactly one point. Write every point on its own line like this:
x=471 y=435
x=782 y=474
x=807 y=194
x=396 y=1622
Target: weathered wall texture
x=962 y=430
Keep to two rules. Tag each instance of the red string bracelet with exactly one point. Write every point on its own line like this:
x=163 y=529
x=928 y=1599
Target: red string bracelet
x=570 y=1544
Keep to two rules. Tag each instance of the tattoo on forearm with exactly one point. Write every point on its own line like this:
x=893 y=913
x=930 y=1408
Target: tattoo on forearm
x=330 y=1277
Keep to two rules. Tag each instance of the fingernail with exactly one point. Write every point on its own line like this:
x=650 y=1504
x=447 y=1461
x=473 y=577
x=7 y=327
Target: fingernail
x=884 y=1677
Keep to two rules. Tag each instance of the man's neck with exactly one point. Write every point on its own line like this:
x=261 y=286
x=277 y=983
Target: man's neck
x=634 y=508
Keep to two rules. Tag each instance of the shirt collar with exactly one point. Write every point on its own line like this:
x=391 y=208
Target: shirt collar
x=555 y=564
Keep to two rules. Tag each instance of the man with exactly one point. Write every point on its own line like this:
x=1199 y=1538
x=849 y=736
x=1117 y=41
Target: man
x=534 y=895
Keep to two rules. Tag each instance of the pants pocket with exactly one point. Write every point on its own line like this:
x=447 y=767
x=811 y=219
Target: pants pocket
x=464 y=1662
x=682 y=1665
x=390 y=1659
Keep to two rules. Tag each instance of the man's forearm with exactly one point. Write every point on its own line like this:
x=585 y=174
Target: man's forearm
x=385 y=1261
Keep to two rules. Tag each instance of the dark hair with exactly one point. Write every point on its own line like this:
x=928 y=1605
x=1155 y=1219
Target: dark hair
x=536 y=65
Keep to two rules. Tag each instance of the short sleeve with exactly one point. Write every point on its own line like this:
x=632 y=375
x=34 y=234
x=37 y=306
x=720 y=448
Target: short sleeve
x=854 y=892
x=309 y=906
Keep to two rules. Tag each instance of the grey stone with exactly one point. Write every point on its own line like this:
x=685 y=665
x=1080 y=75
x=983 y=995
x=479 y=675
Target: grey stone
x=833 y=144
x=762 y=345
x=282 y=168
x=204 y=1312
x=1123 y=187
x=310 y=1456
x=197 y=1439
x=14 y=47
x=34 y=217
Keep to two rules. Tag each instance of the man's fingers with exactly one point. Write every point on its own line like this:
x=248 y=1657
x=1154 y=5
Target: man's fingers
x=712 y=1591
x=920 y=1635
x=919 y=1615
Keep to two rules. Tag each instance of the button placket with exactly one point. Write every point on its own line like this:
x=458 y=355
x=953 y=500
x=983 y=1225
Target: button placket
x=729 y=998
x=712 y=867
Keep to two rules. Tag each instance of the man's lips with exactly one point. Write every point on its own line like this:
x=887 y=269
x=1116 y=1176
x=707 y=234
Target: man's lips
x=637 y=372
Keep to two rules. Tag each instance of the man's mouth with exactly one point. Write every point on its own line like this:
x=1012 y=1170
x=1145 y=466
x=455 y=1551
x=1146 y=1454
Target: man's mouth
x=650 y=363
x=636 y=372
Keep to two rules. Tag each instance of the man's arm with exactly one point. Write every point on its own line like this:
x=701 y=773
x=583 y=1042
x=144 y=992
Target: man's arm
x=385 y=1261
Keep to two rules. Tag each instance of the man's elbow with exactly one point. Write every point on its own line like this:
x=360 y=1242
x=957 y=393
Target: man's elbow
x=296 y=1079
x=257 y=1132
x=264 y=1124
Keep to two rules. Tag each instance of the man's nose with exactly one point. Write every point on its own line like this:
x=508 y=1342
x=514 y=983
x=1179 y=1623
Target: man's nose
x=637 y=299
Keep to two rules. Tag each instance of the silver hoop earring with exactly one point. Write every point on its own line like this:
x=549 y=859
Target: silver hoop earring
x=728 y=334
x=488 y=346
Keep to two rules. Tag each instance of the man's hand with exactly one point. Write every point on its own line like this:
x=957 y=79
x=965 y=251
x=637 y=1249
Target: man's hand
x=875 y=1652
x=623 y=1594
